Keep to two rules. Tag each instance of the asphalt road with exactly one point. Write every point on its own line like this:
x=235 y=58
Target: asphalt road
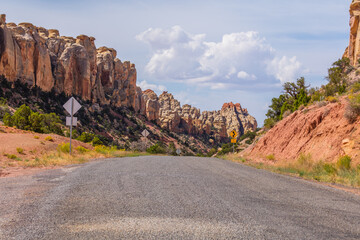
x=173 y=198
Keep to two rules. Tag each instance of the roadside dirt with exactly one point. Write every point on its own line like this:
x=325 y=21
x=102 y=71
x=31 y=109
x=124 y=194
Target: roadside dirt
x=18 y=145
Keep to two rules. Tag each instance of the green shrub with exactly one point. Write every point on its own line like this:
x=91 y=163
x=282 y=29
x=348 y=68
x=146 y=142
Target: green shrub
x=329 y=168
x=3 y=110
x=331 y=99
x=7 y=119
x=26 y=119
x=102 y=149
x=96 y=141
x=81 y=149
x=155 y=149
x=352 y=111
x=344 y=163
x=305 y=161
x=20 y=150
x=86 y=137
x=269 y=123
x=249 y=134
x=20 y=118
x=270 y=157
x=356 y=87
x=49 y=138
x=227 y=148
x=211 y=152
x=11 y=156
x=64 y=147
x=3 y=101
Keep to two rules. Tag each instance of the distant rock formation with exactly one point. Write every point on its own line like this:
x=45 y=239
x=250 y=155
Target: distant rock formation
x=41 y=57
x=187 y=119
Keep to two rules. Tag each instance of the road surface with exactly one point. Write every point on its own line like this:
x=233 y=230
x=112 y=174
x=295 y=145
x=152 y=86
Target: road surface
x=156 y=197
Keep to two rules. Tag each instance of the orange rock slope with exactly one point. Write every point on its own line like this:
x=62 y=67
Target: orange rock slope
x=321 y=131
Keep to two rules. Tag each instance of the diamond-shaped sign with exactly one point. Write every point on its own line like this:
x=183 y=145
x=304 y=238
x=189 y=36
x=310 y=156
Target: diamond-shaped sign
x=145 y=133
x=72 y=103
x=233 y=134
x=178 y=151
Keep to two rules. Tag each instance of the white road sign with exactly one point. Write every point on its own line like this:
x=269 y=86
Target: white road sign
x=68 y=121
x=75 y=105
x=71 y=106
x=178 y=151
x=145 y=133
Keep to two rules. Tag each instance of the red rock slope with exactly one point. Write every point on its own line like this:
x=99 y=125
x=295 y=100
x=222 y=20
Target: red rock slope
x=321 y=131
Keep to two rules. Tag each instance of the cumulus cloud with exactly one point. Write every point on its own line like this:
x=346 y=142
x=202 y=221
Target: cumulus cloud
x=157 y=88
x=239 y=60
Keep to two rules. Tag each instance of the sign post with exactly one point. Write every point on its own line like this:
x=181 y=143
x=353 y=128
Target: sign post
x=145 y=133
x=233 y=135
x=71 y=106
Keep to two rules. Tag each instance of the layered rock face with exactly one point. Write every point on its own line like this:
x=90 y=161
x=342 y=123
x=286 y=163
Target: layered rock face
x=188 y=119
x=353 y=50
x=43 y=58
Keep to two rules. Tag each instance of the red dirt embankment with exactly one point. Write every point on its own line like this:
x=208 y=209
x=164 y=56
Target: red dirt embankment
x=26 y=145
x=321 y=131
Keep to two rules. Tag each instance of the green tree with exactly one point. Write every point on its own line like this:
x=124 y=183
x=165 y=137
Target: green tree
x=21 y=117
x=294 y=95
x=7 y=119
x=302 y=99
x=51 y=124
x=275 y=108
x=337 y=77
x=36 y=120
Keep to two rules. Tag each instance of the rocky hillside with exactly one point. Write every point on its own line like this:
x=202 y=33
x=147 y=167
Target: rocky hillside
x=321 y=130
x=43 y=58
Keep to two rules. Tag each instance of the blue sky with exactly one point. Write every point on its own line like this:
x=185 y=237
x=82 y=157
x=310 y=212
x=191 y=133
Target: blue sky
x=207 y=52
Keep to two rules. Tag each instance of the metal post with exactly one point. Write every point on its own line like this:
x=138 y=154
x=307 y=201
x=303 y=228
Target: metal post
x=71 y=122
x=233 y=148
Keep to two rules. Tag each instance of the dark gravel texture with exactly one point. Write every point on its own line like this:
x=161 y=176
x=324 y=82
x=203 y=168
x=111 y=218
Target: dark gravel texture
x=156 y=197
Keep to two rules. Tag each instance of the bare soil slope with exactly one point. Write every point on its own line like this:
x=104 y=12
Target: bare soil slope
x=320 y=130
x=32 y=145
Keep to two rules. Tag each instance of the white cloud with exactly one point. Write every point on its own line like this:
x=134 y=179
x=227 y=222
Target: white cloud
x=157 y=88
x=285 y=69
x=239 y=60
x=245 y=75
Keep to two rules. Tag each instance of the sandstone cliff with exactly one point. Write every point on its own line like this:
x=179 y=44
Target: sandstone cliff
x=353 y=50
x=43 y=58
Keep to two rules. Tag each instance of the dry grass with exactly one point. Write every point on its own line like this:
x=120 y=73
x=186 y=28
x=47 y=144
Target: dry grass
x=343 y=172
x=61 y=157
